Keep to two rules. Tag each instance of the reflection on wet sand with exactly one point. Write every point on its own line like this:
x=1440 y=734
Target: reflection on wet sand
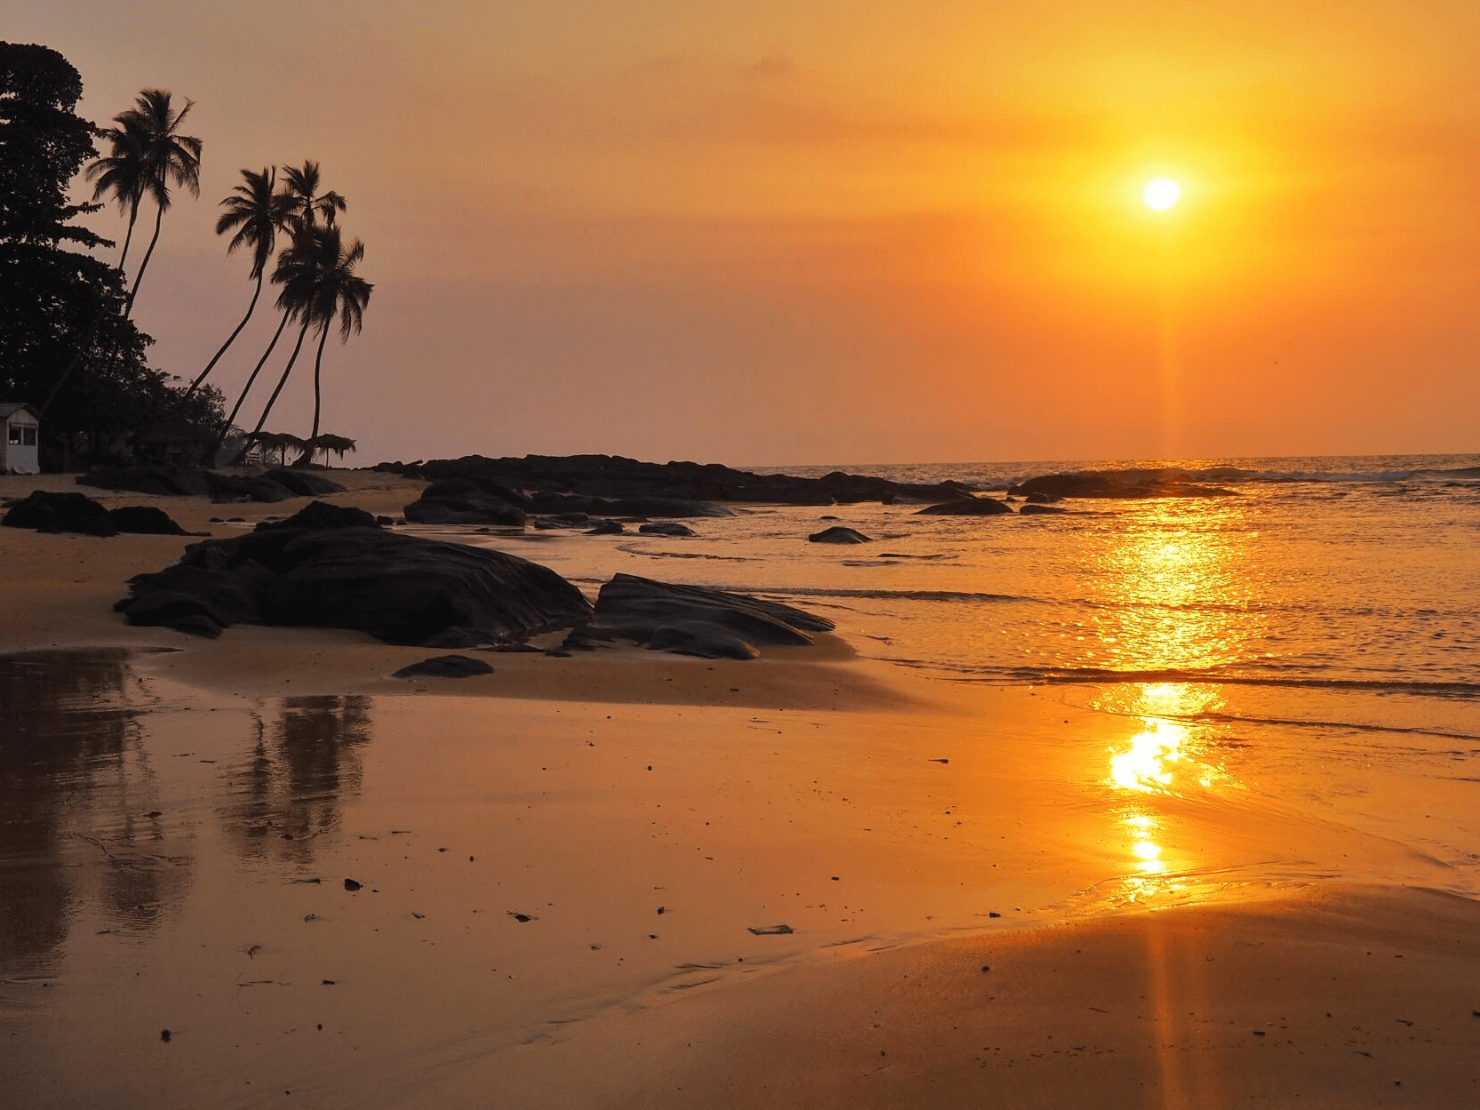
x=76 y=788
x=302 y=768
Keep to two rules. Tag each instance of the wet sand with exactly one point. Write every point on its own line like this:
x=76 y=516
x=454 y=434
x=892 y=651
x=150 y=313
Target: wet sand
x=179 y=825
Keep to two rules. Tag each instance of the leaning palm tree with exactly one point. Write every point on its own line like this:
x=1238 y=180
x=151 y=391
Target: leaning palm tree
x=257 y=214
x=121 y=172
x=319 y=283
x=166 y=157
x=302 y=199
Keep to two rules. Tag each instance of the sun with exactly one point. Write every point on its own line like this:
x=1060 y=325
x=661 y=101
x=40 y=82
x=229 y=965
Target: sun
x=1161 y=193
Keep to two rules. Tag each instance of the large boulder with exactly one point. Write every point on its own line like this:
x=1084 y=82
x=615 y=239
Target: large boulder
x=401 y=589
x=691 y=620
x=665 y=528
x=968 y=506
x=321 y=514
x=303 y=483
x=165 y=481
x=145 y=520
x=60 y=512
x=457 y=501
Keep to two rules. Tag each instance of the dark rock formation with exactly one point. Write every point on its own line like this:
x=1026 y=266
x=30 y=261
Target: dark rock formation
x=689 y=620
x=665 y=528
x=1035 y=509
x=1134 y=483
x=445 y=666
x=605 y=528
x=633 y=485
x=1038 y=497
x=839 y=534
x=60 y=512
x=562 y=520
x=303 y=483
x=398 y=588
x=456 y=501
x=178 y=481
x=145 y=520
x=968 y=506
x=321 y=514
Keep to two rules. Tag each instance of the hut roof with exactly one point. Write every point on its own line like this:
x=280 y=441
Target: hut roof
x=10 y=408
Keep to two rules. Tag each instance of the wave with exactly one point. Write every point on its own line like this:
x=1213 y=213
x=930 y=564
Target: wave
x=1104 y=675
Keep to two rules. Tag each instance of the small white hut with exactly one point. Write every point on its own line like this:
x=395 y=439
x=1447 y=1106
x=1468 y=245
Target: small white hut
x=18 y=451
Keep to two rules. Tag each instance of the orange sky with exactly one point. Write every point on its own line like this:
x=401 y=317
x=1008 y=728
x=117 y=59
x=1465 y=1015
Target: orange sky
x=847 y=233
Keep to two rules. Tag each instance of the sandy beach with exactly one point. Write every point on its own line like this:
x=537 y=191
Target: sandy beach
x=558 y=885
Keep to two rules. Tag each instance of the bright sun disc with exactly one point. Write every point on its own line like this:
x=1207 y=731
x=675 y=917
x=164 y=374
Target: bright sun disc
x=1161 y=194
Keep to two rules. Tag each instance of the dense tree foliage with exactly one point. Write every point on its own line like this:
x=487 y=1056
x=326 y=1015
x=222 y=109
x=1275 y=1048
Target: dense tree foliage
x=65 y=344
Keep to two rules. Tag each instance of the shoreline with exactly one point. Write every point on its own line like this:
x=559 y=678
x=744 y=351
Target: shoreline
x=645 y=810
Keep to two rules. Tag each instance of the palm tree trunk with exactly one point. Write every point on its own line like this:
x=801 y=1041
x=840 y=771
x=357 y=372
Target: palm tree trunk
x=133 y=214
x=284 y=379
x=230 y=340
x=261 y=362
x=128 y=308
x=318 y=399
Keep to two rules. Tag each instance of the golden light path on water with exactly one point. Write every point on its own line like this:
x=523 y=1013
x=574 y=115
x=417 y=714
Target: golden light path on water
x=1178 y=591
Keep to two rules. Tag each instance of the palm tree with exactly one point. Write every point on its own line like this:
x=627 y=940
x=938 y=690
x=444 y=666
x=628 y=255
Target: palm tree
x=257 y=215
x=303 y=200
x=148 y=155
x=122 y=171
x=319 y=283
x=301 y=204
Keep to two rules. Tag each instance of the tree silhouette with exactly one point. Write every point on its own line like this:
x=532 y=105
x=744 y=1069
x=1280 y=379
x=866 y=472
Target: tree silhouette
x=304 y=202
x=317 y=274
x=148 y=154
x=256 y=214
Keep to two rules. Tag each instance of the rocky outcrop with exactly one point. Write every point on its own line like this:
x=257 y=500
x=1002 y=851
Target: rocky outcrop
x=1133 y=483
x=177 y=481
x=78 y=513
x=690 y=620
x=968 y=506
x=398 y=588
x=839 y=534
x=665 y=528
x=457 y=501
x=60 y=512
x=321 y=514
x=1033 y=508
x=632 y=485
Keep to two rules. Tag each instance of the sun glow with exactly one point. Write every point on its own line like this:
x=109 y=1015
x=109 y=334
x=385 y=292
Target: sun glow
x=1161 y=193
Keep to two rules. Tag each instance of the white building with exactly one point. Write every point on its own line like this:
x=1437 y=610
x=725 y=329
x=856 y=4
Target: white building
x=18 y=452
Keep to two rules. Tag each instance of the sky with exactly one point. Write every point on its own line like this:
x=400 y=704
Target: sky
x=810 y=232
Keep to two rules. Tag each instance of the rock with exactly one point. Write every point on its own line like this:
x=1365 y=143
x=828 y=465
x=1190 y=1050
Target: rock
x=1038 y=497
x=838 y=534
x=321 y=514
x=1133 y=483
x=398 y=588
x=967 y=506
x=1032 y=509
x=562 y=520
x=462 y=502
x=60 y=512
x=445 y=666
x=226 y=488
x=613 y=486
x=303 y=483
x=665 y=528
x=165 y=481
x=144 y=520
x=606 y=528
x=690 y=620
